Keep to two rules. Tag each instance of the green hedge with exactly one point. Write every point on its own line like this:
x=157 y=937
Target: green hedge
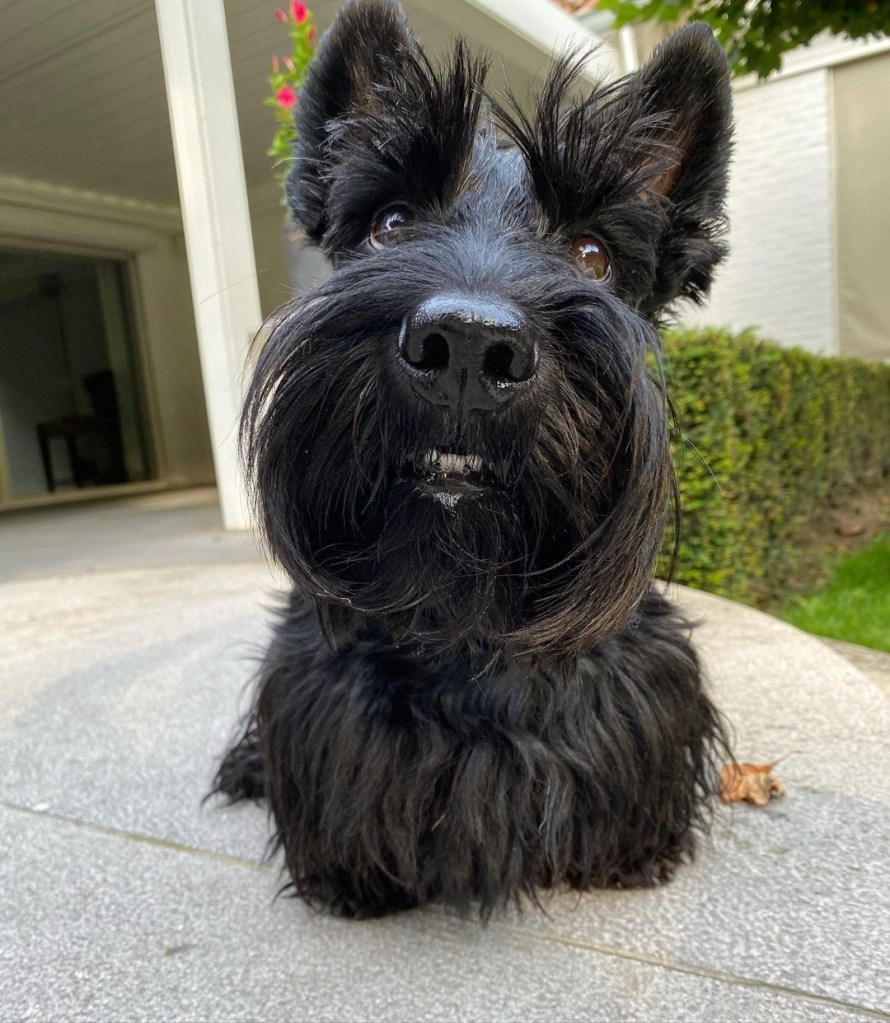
x=765 y=436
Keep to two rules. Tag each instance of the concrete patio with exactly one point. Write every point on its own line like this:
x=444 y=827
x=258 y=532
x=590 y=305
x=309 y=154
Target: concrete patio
x=128 y=630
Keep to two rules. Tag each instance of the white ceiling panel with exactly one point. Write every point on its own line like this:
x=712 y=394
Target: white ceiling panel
x=82 y=99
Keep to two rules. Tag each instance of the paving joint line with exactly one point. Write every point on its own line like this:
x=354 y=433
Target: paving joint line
x=170 y=844
x=693 y=969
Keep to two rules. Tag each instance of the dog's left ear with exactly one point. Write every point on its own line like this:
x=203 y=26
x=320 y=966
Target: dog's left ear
x=357 y=57
x=685 y=87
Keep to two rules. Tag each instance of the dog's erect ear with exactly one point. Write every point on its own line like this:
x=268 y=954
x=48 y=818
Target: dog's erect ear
x=685 y=86
x=686 y=83
x=357 y=55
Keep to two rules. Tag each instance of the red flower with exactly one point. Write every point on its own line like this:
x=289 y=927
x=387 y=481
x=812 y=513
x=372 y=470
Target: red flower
x=286 y=97
x=298 y=12
x=281 y=16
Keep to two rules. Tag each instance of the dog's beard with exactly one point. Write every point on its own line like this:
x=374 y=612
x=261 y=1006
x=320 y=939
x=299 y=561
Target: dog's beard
x=533 y=530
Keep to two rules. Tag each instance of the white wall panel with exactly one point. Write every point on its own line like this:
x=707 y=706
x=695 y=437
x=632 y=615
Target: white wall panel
x=781 y=274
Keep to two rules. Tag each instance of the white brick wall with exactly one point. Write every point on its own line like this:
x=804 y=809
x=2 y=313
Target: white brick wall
x=780 y=276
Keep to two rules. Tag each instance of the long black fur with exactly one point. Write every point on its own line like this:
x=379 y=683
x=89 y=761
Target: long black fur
x=473 y=701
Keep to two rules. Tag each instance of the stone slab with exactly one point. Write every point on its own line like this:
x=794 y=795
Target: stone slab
x=119 y=691
x=98 y=927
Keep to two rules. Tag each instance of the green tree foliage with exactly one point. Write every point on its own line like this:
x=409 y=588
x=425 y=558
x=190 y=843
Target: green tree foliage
x=755 y=33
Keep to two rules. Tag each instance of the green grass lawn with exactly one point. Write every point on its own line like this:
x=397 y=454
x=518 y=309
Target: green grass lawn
x=854 y=605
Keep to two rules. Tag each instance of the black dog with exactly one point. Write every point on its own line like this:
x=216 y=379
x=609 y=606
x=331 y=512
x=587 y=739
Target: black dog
x=461 y=459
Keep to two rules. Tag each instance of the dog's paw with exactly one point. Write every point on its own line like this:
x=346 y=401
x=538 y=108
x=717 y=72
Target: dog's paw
x=342 y=898
x=649 y=869
x=649 y=875
x=240 y=773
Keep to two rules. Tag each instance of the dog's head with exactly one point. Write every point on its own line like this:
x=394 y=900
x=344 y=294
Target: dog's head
x=456 y=433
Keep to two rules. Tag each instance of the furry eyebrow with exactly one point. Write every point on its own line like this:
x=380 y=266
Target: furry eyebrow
x=411 y=140
x=585 y=157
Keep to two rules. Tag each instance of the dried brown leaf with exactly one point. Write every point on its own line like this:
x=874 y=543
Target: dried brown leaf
x=752 y=783
x=849 y=527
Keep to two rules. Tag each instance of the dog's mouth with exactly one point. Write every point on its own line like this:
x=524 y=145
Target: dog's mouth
x=451 y=473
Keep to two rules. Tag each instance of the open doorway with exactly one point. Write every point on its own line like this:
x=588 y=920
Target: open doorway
x=72 y=406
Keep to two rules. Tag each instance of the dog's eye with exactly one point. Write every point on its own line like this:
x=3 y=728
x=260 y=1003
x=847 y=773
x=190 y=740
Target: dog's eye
x=387 y=224
x=591 y=255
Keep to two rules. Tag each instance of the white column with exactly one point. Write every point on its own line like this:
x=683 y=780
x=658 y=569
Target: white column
x=209 y=166
x=630 y=54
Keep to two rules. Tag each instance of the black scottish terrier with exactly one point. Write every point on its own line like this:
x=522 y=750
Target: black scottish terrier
x=460 y=456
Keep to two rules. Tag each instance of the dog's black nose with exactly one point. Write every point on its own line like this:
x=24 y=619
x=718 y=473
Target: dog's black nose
x=467 y=351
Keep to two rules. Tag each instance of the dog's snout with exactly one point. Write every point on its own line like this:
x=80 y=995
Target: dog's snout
x=467 y=351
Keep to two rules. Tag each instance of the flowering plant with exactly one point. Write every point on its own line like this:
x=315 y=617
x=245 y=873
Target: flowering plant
x=285 y=81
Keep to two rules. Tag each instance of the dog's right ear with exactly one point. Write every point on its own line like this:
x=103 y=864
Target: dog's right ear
x=357 y=55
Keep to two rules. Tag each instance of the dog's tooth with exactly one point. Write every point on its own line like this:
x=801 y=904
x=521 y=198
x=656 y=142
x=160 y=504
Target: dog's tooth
x=452 y=463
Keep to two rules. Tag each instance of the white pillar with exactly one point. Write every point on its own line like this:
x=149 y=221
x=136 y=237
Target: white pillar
x=213 y=196
x=630 y=55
